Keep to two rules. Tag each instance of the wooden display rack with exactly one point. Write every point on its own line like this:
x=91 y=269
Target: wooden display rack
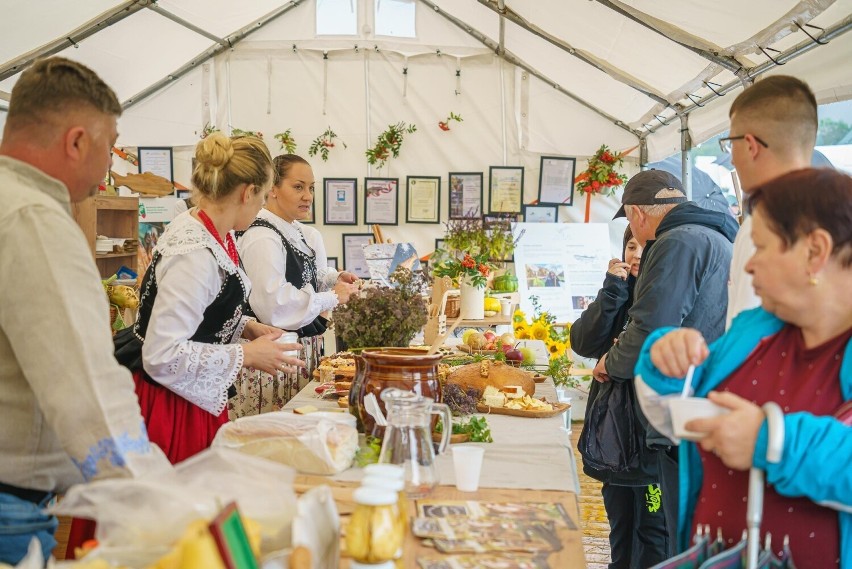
x=436 y=325
x=112 y=216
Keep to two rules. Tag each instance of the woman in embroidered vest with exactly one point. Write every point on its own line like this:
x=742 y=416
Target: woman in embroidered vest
x=796 y=351
x=184 y=349
x=293 y=285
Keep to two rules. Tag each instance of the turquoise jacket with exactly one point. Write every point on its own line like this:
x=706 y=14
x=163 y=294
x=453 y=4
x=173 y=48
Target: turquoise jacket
x=817 y=458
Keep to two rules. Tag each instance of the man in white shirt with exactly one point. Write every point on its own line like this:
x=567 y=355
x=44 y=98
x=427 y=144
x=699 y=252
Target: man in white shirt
x=68 y=411
x=773 y=131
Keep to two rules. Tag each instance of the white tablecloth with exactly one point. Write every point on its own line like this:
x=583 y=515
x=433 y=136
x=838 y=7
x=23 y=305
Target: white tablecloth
x=526 y=453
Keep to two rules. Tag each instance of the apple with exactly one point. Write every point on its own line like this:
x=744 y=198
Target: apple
x=507 y=339
x=490 y=336
x=514 y=355
x=528 y=356
x=506 y=347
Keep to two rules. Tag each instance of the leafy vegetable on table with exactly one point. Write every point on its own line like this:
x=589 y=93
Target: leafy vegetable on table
x=476 y=427
x=369 y=454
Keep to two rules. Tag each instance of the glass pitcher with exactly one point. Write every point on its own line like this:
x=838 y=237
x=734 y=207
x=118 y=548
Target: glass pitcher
x=408 y=438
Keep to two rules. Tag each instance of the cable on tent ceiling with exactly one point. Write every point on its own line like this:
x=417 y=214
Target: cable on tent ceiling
x=710 y=84
x=75 y=44
x=696 y=103
x=766 y=53
x=662 y=122
x=817 y=41
x=324 y=81
x=405 y=78
x=458 y=76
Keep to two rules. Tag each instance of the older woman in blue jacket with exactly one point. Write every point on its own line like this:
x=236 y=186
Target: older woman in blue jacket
x=795 y=350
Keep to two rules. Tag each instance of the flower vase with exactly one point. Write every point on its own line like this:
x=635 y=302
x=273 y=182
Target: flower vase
x=472 y=301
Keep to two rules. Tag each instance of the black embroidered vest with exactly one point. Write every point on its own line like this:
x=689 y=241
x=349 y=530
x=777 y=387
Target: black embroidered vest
x=301 y=270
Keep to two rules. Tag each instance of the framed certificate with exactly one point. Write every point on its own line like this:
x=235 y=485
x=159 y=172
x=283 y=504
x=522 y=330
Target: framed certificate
x=332 y=262
x=354 y=260
x=540 y=213
x=424 y=199
x=341 y=201
x=381 y=196
x=465 y=195
x=157 y=160
x=556 y=180
x=506 y=184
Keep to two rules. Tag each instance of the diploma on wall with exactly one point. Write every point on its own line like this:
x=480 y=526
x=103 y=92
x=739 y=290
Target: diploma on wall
x=423 y=199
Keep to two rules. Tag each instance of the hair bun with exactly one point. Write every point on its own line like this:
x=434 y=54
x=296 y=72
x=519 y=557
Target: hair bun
x=215 y=151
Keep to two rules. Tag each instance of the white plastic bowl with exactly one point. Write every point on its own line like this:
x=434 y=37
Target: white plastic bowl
x=685 y=409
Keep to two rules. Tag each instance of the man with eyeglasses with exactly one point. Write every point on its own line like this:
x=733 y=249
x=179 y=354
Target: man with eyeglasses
x=773 y=131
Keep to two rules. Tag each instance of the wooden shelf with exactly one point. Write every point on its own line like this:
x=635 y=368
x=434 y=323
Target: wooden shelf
x=112 y=216
x=498 y=320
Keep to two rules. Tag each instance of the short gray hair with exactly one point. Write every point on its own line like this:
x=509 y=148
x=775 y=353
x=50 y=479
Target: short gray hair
x=660 y=210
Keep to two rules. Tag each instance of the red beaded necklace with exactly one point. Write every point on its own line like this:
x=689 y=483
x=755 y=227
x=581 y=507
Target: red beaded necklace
x=231 y=248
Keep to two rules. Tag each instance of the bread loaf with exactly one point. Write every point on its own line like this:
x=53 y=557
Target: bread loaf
x=480 y=375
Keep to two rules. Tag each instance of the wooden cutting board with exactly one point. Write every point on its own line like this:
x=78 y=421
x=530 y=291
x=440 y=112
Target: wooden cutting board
x=146 y=183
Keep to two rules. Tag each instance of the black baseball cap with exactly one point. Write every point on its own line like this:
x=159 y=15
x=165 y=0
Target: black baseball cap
x=642 y=188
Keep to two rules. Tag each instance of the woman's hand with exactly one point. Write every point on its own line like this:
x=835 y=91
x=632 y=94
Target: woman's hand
x=265 y=354
x=731 y=436
x=347 y=277
x=255 y=329
x=344 y=291
x=619 y=269
x=677 y=350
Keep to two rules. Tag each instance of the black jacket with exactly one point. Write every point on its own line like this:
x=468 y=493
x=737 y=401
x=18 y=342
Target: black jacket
x=683 y=281
x=592 y=335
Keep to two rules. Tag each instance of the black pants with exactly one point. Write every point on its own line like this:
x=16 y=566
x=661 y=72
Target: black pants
x=638 y=536
x=670 y=487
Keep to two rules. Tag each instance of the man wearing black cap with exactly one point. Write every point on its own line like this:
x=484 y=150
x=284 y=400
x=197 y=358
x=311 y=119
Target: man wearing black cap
x=683 y=281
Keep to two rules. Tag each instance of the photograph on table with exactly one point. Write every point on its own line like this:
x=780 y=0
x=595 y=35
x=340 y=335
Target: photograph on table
x=381 y=197
x=332 y=263
x=423 y=199
x=354 y=259
x=540 y=213
x=157 y=160
x=556 y=180
x=341 y=201
x=465 y=195
x=506 y=189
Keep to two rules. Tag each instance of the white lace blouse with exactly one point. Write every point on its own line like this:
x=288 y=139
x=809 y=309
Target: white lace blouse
x=190 y=276
x=274 y=300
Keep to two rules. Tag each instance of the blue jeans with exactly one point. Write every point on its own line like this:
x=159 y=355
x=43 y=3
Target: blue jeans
x=20 y=521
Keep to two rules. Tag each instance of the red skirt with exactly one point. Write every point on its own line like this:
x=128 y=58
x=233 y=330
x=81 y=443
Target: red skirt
x=180 y=428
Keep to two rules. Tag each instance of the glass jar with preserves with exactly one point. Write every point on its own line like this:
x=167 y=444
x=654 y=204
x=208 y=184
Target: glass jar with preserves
x=394 y=485
x=375 y=533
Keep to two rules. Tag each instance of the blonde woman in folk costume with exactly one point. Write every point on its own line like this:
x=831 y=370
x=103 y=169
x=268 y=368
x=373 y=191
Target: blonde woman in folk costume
x=293 y=285
x=184 y=350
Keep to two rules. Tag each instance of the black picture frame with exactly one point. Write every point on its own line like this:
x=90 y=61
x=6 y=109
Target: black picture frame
x=377 y=183
x=540 y=210
x=337 y=211
x=332 y=263
x=496 y=174
x=440 y=244
x=357 y=266
x=457 y=182
x=410 y=186
x=555 y=185
x=158 y=160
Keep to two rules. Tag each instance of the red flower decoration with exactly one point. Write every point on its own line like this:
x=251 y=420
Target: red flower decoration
x=601 y=177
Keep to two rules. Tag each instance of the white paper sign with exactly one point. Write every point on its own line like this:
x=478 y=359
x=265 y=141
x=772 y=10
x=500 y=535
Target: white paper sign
x=563 y=264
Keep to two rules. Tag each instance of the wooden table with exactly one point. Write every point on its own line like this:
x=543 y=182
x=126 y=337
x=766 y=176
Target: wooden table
x=571 y=555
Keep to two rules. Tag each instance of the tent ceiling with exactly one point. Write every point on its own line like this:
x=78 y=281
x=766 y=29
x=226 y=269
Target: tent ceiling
x=638 y=62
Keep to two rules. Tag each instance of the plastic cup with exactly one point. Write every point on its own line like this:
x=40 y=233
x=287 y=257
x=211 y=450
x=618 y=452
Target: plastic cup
x=505 y=307
x=467 y=464
x=685 y=409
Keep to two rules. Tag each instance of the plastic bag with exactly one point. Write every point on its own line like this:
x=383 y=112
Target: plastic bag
x=139 y=519
x=610 y=439
x=318 y=443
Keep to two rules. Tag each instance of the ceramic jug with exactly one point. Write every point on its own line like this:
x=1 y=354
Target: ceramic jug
x=408 y=438
x=377 y=369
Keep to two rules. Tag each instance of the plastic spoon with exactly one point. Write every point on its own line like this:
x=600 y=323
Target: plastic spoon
x=687 y=382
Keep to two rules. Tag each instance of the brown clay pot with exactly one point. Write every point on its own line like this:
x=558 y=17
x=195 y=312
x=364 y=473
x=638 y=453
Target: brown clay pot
x=377 y=369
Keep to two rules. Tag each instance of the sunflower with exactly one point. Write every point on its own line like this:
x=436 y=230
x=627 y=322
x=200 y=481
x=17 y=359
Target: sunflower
x=522 y=332
x=519 y=317
x=556 y=349
x=540 y=331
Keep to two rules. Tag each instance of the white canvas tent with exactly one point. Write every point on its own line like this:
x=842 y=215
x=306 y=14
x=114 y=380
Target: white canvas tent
x=529 y=77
